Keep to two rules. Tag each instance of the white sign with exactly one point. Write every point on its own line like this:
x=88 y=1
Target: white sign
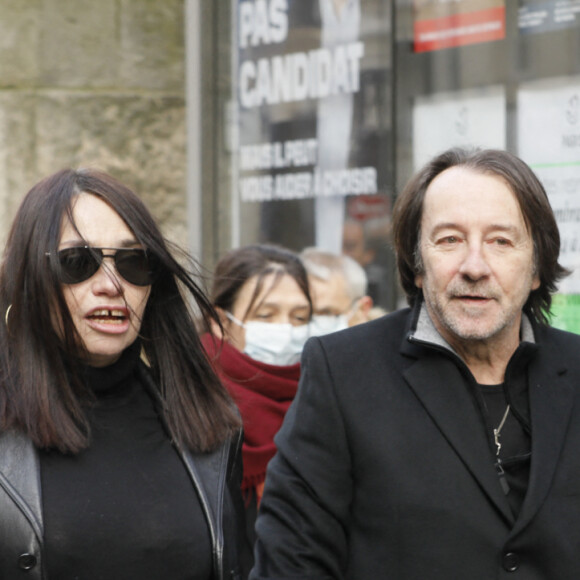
x=474 y=117
x=549 y=141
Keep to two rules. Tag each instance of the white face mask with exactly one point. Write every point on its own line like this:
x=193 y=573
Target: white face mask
x=273 y=343
x=325 y=324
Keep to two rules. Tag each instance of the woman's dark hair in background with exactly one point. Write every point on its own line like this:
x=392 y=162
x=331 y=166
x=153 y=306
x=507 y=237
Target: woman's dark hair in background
x=531 y=197
x=237 y=266
x=41 y=390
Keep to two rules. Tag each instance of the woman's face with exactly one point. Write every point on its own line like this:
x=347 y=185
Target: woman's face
x=283 y=303
x=106 y=309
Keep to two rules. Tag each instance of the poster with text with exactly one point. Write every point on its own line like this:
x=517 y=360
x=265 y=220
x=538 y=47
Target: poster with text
x=313 y=112
x=549 y=141
x=470 y=118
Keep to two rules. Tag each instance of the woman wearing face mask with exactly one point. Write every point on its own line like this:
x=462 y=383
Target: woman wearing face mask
x=261 y=293
x=109 y=467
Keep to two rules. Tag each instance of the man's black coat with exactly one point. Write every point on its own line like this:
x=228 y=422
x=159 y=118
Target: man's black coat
x=385 y=471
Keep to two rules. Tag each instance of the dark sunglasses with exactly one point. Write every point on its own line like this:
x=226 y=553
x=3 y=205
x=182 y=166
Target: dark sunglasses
x=79 y=263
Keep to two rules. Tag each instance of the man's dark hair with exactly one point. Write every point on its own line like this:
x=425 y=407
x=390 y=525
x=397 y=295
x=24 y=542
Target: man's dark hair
x=42 y=393
x=531 y=197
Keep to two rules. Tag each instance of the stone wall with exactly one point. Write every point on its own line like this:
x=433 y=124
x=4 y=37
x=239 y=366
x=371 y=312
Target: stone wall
x=94 y=83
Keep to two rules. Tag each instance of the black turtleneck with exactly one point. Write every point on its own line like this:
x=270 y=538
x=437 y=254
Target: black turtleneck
x=124 y=508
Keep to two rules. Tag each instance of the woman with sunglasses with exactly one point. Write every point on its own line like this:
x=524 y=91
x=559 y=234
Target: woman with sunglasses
x=261 y=293
x=110 y=467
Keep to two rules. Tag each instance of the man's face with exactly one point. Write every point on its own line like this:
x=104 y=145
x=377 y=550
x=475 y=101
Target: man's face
x=329 y=297
x=478 y=258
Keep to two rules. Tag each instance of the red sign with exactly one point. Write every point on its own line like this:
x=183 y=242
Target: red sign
x=458 y=27
x=366 y=207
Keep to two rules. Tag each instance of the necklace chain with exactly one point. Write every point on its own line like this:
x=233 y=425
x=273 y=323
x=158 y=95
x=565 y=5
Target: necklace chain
x=497 y=431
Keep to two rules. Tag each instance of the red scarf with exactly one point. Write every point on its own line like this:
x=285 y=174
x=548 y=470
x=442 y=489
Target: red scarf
x=263 y=394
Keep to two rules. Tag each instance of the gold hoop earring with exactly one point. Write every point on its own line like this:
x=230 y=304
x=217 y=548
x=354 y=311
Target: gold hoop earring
x=7 y=313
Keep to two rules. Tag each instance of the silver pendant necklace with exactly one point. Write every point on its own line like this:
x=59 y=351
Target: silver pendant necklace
x=497 y=431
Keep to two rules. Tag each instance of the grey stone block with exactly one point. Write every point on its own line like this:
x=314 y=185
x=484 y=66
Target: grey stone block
x=19 y=30
x=17 y=153
x=152 y=49
x=140 y=141
x=79 y=43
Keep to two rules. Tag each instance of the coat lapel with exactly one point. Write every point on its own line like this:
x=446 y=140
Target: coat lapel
x=551 y=395
x=438 y=384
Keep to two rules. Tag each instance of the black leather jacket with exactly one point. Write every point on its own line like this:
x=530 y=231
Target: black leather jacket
x=216 y=477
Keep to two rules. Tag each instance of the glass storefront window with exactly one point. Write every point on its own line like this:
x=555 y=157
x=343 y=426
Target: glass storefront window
x=464 y=78
x=313 y=95
x=331 y=105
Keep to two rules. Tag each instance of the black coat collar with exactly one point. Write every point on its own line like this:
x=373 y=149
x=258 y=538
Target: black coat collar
x=439 y=378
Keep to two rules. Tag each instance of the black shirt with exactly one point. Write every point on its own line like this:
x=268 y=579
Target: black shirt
x=514 y=453
x=124 y=508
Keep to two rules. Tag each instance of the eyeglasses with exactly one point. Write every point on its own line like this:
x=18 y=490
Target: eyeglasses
x=79 y=263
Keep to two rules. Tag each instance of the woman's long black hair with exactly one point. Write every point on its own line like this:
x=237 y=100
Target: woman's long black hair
x=41 y=353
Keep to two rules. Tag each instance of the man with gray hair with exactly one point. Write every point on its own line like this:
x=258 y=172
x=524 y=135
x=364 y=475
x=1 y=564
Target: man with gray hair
x=338 y=286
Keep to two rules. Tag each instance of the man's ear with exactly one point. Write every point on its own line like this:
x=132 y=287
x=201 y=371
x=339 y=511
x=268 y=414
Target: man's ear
x=361 y=311
x=365 y=304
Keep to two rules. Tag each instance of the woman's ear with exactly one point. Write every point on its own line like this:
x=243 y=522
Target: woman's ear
x=216 y=329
